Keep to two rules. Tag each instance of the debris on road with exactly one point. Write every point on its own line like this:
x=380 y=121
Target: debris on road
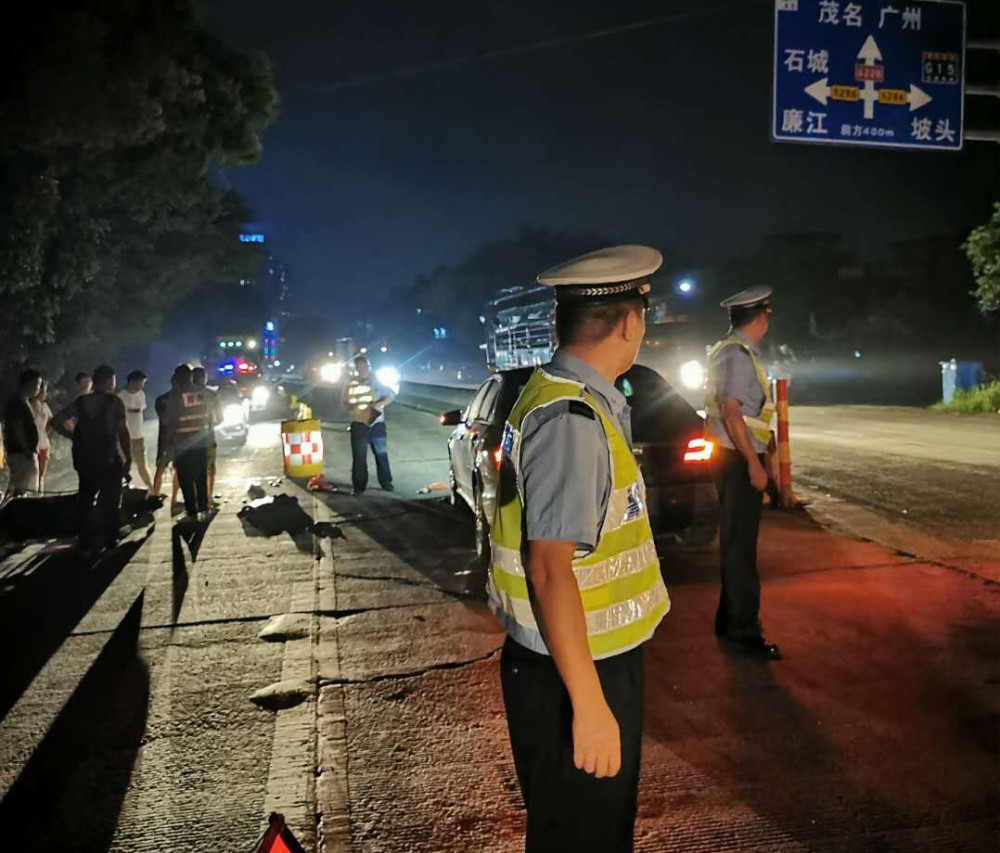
x=286 y=626
x=283 y=694
x=433 y=487
x=319 y=483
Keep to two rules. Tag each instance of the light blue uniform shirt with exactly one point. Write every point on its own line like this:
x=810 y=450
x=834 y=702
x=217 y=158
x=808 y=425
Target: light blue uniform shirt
x=734 y=377
x=565 y=469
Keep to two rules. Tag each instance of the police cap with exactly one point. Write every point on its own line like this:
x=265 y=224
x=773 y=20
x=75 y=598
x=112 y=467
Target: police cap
x=750 y=298
x=607 y=274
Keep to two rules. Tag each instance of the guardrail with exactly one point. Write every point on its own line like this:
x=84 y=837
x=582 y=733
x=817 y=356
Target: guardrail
x=434 y=398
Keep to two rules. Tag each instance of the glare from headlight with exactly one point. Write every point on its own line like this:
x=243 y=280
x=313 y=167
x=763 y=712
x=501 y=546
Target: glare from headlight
x=232 y=414
x=260 y=396
x=389 y=376
x=692 y=374
x=330 y=372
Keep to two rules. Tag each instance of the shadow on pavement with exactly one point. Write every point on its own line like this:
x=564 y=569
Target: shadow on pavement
x=70 y=793
x=188 y=532
x=44 y=597
x=429 y=536
x=876 y=734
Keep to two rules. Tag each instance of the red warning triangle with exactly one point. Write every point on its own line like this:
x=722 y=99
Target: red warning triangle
x=278 y=838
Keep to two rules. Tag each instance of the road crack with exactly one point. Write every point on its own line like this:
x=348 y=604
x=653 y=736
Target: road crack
x=418 y=673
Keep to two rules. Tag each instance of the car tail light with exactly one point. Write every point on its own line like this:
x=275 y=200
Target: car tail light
x=498 y=457
x=699 y=450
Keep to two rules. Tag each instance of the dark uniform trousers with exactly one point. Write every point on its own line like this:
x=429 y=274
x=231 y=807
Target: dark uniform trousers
x=100 y=524
x=192 y=477
x=363 y=437
x=740 y=505
x=570 y=810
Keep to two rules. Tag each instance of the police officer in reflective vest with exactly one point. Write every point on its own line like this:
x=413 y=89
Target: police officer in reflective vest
x=739 y=412
x=365 y=399
x=574 y=576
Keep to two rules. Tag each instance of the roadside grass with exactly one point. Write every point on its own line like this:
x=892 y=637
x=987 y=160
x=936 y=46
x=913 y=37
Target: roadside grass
x=985 y=398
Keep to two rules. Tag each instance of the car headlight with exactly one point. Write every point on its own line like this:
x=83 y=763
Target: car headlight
x=692 y=374
x=260 y=396
x=232 y=415
x=330 y=372
x=389 y=376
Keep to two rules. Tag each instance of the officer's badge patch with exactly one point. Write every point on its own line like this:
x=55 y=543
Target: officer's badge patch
x=634 y=507
x=509 y=441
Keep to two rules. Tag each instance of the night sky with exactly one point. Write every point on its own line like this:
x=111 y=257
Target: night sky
x=656 y=134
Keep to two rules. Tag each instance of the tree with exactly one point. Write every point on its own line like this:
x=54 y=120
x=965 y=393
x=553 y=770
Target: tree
x=115 y=115
x=983 y=250
x=455 y=296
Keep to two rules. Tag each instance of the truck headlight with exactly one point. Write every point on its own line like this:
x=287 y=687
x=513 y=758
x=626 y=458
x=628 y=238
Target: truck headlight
x=232 y=415
x=260 y=396
x=330 y=372
x=692 y=374
x=389 y=376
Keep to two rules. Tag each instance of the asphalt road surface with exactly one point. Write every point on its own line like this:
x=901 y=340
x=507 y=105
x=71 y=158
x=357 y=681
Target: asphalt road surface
x=937 y=470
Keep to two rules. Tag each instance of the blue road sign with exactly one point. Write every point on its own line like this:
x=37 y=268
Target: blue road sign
x=884 y=73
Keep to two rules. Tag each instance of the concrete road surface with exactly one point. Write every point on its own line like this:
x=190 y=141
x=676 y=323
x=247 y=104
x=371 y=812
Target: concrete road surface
x=127 y=721
x=125 y=691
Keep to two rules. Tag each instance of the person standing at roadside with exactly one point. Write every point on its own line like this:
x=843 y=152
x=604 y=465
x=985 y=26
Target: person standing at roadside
x=133 y=395
x=187 y=420
x=21 y=433
x=163 y=457
x=574 y=576
x=43 y=419
x=101 y=456
x=739 y=411
x=365 y=399
x=84 y=384
x=200 y=378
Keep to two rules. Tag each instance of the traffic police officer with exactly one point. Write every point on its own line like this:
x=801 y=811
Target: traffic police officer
x=365 y=399
x=739 y=411
x=574 y=576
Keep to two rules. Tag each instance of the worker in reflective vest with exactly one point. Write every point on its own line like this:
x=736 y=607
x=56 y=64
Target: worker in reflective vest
x=739 y=411
x=365 y=399
x=187 y=420
x=574 y=576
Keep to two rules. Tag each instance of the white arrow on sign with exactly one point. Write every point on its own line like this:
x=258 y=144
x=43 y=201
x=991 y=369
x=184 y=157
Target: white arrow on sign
x=870 y=54
x=918 y=98
x=820 y=90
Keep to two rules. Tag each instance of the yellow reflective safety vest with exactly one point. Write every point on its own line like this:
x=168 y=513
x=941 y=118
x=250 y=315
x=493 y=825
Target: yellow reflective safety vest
x=360 y=396
x=621 y=588
x=760 y=424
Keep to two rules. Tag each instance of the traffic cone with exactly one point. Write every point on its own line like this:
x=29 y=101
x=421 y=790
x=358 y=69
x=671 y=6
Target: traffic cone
x=277 y=838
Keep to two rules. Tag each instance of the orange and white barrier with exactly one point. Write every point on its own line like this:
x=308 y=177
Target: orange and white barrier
x=302 y=446
x=784 y=450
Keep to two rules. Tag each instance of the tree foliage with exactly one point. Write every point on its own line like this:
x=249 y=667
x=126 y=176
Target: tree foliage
x=115 y=114
x=455 y=296
x=983 y=250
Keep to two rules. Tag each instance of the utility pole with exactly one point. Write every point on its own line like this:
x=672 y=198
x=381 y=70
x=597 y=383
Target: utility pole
x=983 y=90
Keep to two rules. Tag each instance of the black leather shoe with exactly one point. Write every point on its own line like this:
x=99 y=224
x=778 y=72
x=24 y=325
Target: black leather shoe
x=388 y=487
x=757 y=647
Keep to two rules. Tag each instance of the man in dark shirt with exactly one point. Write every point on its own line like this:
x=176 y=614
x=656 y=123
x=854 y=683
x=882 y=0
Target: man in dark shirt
x=188 y=433
x=101 y=456
x=21 y=434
